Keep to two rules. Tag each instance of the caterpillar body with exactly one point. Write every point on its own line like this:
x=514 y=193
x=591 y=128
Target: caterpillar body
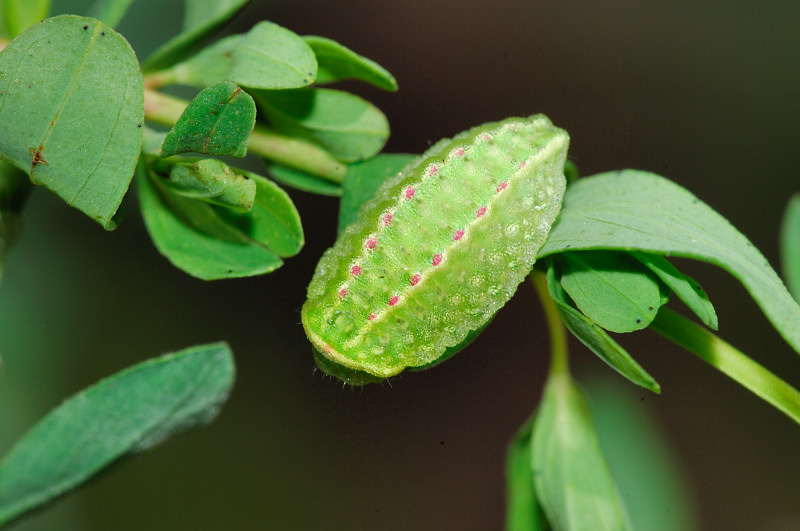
x=439 y=249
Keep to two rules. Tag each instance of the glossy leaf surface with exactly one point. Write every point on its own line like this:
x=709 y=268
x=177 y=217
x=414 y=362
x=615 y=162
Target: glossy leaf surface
x=71 y=111
x=636 y=210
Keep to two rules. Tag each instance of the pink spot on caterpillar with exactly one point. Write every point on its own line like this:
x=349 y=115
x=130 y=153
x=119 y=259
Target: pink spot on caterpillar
x=410 y=192
x=481 y=211
x=371 y=243
x=343 y=293
x=433 y=170
x=459 y=152
x=415 y=279
x=387 y=219
x=437 y=259
x=393 y=300
x=522 y=164
x=371 y=316
x=458 y=234
x=355 y=270
x=486 y=137
x=502 y=186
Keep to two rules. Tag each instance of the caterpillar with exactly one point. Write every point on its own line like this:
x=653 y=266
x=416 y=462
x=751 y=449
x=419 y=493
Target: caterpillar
x=439 y=249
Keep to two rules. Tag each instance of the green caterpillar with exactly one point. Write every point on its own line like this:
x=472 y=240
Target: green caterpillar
x=439 y=249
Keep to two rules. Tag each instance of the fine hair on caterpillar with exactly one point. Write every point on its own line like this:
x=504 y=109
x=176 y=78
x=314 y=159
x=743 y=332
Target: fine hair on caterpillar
x=438 y=250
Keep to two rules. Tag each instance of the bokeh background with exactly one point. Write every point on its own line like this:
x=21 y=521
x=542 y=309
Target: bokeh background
x=705 y=93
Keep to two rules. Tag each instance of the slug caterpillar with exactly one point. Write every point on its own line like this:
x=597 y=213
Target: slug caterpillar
x=439 y=249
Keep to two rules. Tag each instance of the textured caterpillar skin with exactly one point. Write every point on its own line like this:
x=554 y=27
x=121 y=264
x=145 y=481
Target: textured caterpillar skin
x=439 y=249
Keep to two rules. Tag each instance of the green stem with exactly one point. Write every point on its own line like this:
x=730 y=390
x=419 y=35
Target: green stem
x=559 y=353
x=296 y=153
x=728 y=360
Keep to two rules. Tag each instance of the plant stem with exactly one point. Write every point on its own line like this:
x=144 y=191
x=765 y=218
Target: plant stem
x=728 y=360
x=559 y=356
x=296 y=153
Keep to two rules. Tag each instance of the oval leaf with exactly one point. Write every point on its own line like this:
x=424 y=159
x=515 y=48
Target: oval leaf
x=636 y=210
x=211 y=242
x=201 y=19
x=126 y=413
x=71 y=111
x=336 y=62
x=218 y=121
x=612 y=289
x=596 y=339
x=349 y=127
x=572 y=479
x=790 y=246
x=272 y=57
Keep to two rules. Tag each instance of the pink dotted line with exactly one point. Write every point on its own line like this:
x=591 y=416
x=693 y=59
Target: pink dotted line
x=372 y=242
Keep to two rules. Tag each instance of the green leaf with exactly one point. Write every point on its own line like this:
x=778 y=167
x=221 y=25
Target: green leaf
x=303 y=181
x=612 y=289
x=202 y=18
x=596 y=339
x=363 y=178
x=523 y=512
x=572 y=479
x=213 y=181
x=790 y=246
x=211 y=242
x=19 y=15
x=635 y=210
x=110 y=12
x=272 y=57
x=336 y=62
x=686 y=288
x=218 y=121
x=208 y=67
x=71 y=112
x=647 y=471
x=126 y=413
x=273 y=221
x=349 y=127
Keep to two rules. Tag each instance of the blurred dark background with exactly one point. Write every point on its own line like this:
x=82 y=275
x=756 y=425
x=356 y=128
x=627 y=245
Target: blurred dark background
x=705 y=93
